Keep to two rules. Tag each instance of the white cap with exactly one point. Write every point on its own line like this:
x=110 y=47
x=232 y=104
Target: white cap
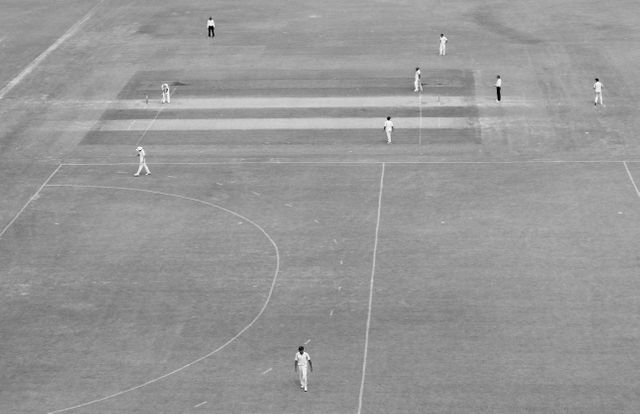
x=139 y=149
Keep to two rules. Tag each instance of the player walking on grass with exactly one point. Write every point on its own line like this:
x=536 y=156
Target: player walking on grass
x=388 y=128
x=597 y=88
x=443 y=44
x=300 y=364
x=417 y=81
x=142 y=162
x=498 y=89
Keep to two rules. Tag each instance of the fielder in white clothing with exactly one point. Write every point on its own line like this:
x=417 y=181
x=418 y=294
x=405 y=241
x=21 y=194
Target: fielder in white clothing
x=443 y=44
x=388 y=128
x=417 y=81
x=211 y=27
x=300 y=364
x=166 y=93
x=597 y=88
x=142 y=162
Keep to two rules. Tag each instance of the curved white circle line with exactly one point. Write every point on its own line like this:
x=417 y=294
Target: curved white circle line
x=221 y=347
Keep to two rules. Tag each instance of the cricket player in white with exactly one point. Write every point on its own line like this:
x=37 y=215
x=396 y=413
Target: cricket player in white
x=388 y=127
x=300 y=364
x=417 y=81
x=597 y=88
x=142 y=163
x=443 y=44
x=166 y=93
x=211 y=27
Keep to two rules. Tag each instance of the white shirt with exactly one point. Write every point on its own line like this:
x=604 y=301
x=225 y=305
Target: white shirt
x=210 y=23
x=141 y=154
x=418 y=73
x=597 y=87
x=443 y=40
x=498 y=83
x=302 y=359
x=388 y=125
x=165 y=87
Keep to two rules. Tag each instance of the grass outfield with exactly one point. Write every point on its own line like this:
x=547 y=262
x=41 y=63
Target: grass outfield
x=490 y=291
x=484 y=262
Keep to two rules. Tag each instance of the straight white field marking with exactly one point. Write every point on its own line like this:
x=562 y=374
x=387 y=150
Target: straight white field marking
x=353 y=163
x=308 y=340
x=33 y=197
x=221 y=347
x=147 y=128
x=401 y=101
x=186 y=103
x=631 y=178
x=151 y=123
x=246 y=124
x=373 y=272
x=420 y=123
x=267 y=371
x=200 y=405
x=31 y=66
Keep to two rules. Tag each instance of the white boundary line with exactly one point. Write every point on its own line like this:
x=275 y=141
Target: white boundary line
x=221 y=347
x=373 y=271
x=276 y=161
x=29 y=201
x=42 y=56
x=631 y=178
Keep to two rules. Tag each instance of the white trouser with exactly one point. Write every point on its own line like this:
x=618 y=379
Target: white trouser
x=443 y=49
x=142 y=165
x=417 y=85
x=166 y=97
x=388 y=131
x=599 y=97
x=302 y=374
